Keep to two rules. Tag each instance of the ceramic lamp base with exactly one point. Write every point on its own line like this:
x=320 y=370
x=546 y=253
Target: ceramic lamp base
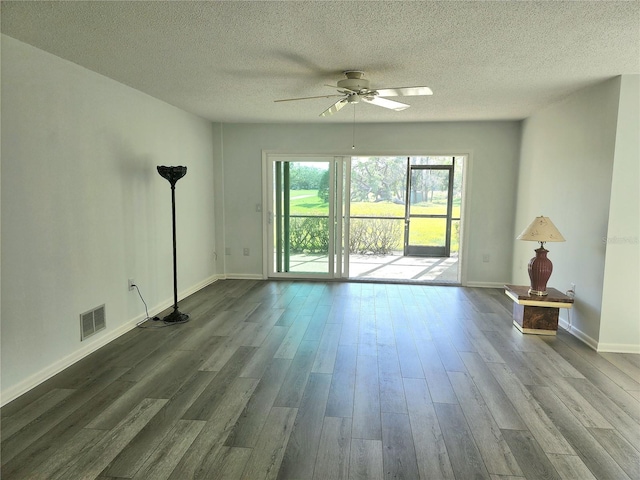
x=540 y=268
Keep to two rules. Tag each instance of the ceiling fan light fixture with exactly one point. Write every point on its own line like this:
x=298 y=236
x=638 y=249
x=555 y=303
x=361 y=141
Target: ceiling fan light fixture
x=355 y=89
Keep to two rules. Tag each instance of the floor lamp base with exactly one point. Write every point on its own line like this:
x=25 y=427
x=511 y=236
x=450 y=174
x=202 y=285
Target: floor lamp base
x=176 y=317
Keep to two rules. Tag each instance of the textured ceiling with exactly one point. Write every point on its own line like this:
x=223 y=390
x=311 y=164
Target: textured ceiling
x=228 y=61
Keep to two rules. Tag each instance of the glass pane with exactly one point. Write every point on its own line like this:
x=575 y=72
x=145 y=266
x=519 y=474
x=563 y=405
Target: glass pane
x=377 y=236
x=427 y=232
x=302 y=220
x=431 y=160
x=378 y=186
x=457 y=187
x=455 y=236
x=429 y=192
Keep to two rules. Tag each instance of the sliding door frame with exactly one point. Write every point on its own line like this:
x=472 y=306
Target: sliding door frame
x=465 y=213
x=338 y=221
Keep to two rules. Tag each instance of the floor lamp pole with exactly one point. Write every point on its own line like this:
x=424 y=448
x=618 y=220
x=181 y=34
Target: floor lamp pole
x=173 y=174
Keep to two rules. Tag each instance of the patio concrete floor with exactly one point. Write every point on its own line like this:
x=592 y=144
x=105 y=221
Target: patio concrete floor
x=394 y=266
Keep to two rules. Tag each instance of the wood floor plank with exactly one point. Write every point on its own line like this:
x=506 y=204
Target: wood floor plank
x=59 y=462
x=21 y=440
x=29 y=413
x=463 y=452
x=366 y=405
x=131 y=459
x=604 y=383
x=292 y=339
x=620 y=450
x=332 y=461
x=209 y=400
x=586 y=447
x=588 y=415
x=326 y=356
x=48 y=445
x=493 y=448
x=350 y=329
x=532 y=459
x=391 y=388
x=265 y=460
x=622 y=422
x=163 y=383
x=205 y=448
x=367 y=340
x=407 y=352
x=263 y=356
x=534 y=417
x=164 y=459
x=621 y=378
x=342 y=390
x=293 y=386
x=503 y=411
x=301 y=450
x=227 y=463
x=366 y=460
x=250 y=422
x=435 y=374
x=431 y=451
x=398 y=451
x=97 y=458
x=570 y=467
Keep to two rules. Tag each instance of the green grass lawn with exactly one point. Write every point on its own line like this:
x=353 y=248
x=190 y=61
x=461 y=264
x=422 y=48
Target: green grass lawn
x=423 y=231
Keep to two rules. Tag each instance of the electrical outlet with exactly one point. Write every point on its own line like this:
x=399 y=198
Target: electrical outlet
x=245 y=252
x=486 y=258
x=131 y=284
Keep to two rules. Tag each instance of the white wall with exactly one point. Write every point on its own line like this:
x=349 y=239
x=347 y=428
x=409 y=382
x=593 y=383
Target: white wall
x=620 y=321
x=84 y=209
x=565 y=173
x=493 y=149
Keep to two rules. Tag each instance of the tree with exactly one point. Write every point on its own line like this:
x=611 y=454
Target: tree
x=323 y=187
x=377 y=179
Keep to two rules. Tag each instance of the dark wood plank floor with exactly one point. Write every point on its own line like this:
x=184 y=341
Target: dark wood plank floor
x=305 y=380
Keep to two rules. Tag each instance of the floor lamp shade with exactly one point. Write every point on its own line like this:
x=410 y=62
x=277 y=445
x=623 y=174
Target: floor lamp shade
x=173 y=174
x=540 y=267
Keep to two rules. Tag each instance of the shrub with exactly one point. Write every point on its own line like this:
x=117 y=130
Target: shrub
x=309 y=235
x=374 y=236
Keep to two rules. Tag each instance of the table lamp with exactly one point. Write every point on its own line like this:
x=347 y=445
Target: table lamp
x=540 y=230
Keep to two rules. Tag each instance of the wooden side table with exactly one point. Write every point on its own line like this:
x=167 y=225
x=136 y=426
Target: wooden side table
x=535 y=314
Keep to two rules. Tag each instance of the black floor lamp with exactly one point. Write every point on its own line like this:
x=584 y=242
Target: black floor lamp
x=173 y=174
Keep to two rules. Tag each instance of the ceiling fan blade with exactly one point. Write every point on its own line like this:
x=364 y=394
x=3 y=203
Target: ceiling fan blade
x=404 y=91
x=307 y=98
x=386 y=103
x=334 y=108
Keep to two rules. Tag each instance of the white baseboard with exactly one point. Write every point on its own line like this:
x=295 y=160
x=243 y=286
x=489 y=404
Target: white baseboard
x=485 y=284
x=197 y=287
x=36 y=379
x=244 y=276
x=618 y=348
x=579 y=334
x=594 y=344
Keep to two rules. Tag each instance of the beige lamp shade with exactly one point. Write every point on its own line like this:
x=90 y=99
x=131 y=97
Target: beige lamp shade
x=542 y=230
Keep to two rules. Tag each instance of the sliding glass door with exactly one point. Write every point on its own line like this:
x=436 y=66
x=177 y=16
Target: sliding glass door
x=308 y=216
x=428 y=212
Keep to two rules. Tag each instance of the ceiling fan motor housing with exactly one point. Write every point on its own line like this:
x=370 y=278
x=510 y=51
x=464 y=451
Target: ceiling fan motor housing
x=354 y=81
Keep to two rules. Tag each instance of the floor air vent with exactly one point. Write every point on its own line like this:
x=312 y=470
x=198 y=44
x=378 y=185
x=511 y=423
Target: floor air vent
x=92 y=321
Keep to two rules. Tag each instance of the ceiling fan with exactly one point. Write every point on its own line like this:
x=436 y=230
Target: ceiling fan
x=355 y=89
